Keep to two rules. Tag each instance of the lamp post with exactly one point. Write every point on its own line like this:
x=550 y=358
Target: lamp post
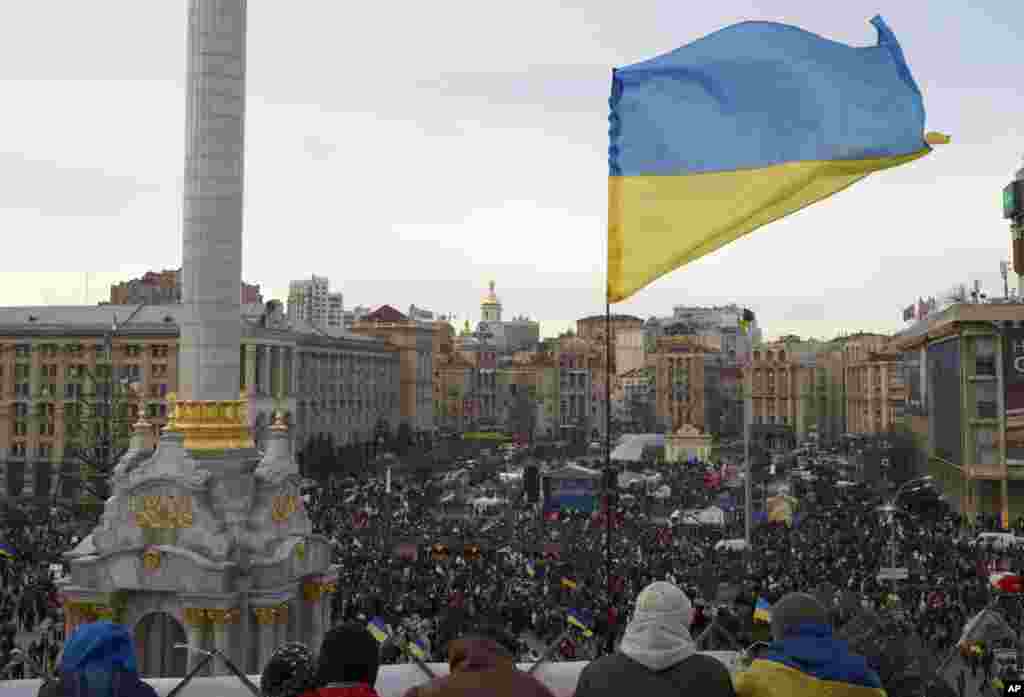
x=891 y=508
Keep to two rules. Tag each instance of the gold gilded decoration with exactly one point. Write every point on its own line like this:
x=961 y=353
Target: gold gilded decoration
x=283 y=507
x=195 y=616
x=222 y=617
x=161 y=512
x=151 y=559
x=300 y=551
x=280 y=425
x=172 y=412
x=312 y=591
x=213 y=425
x=264 y=615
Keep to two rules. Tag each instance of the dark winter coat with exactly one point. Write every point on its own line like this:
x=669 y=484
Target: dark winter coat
x=618 y=674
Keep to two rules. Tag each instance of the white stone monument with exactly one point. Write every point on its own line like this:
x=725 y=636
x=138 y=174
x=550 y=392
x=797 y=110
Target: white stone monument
x=205 y=540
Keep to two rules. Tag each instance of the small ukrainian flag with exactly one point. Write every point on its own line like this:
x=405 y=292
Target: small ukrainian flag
x=531 y=571
x=763 y=611
x=568 y=583
x=376 y=627
x=575 y=618
x=7 y=552
x=418 y=649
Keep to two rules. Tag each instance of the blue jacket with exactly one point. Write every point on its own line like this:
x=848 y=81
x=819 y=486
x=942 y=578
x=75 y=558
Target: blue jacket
x=99 y=661
x=807 y=663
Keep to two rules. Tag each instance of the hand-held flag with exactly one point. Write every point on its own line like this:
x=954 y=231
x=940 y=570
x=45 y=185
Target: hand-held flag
x=740 y=128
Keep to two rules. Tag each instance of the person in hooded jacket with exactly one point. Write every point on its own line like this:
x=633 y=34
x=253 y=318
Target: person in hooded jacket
x=98 y=661
x=657 y=655
x=481 y=666
x=290 y=672
x=805 y=660
x=348 y=663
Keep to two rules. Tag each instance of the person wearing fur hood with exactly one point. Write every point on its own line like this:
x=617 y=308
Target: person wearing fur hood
x=657 y=656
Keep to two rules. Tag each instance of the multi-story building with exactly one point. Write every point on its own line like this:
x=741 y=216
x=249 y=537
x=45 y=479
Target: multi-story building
x=875 y=388
x=634 y=391
x=773 y=388
x=164 y=288
x=735 y=337
x=415 y=343
x=310 y=301
x=627 y=332
x=52 y=357
x=687 y=384
x=965 y=401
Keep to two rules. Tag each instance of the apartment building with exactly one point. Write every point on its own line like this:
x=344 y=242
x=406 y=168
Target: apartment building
x=311 y=302
x=52 y=357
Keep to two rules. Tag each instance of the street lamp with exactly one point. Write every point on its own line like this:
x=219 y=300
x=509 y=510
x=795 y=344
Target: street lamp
x=891 y=509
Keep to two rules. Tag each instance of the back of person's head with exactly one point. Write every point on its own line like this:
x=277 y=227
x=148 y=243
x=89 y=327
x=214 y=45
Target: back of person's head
x=290 y=672
x=796 y=609
x=485 y=647
x=348 y=654
x=93 y=654
x=663 y=602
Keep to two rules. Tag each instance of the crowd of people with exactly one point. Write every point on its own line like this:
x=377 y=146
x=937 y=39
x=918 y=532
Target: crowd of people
x=447 y=573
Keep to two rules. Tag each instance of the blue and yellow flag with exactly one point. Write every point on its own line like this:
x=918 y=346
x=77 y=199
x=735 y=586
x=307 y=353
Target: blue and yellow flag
x=568 y=583
x=6 y=551
x=578 y=619
x=418 y=649
x=531 y=570
x=740 y=128
x=762 y=611
x=378 y=629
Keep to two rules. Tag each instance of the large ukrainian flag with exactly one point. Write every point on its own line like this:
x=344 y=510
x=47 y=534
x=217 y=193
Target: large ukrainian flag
x=743 y=127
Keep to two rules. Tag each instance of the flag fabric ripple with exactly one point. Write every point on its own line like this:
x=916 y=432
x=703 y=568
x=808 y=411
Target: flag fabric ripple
x=743 y=127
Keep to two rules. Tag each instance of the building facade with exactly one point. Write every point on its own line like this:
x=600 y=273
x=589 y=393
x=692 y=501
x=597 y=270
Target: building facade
x=507 y=336
x=875 y=388
x=164 y=288
x=687 y=384
x=964 y=401
x=310 y=301
x=628 y=348
x=415 y=344
x=53 y=357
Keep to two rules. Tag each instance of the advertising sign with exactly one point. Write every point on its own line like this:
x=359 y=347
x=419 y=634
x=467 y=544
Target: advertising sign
x=944 y=401
x=1013 y=378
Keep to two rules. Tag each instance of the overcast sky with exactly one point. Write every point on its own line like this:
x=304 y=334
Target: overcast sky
x=413 y=151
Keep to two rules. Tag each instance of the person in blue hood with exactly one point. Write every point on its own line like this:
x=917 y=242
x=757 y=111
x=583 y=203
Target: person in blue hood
x=98 y=661
x=805 y=660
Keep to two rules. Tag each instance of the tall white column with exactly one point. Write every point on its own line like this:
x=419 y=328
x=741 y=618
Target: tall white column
x=214 y=158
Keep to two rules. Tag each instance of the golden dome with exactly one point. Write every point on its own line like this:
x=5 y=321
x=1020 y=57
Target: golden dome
x=491 y=299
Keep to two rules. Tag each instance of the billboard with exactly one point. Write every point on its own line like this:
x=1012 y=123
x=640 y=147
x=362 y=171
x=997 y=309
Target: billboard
x=944 y=396
x=910 y=362
x=1013 y=379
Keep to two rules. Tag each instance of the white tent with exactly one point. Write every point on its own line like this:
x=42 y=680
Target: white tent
x=631 y=447
x=712 y=515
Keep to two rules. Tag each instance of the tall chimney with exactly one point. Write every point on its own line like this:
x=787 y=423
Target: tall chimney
x=214 y=155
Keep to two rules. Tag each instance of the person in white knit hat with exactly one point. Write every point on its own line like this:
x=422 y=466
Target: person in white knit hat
x=657 y=656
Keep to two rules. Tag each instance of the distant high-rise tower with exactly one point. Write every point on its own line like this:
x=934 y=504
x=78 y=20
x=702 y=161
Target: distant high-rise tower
x=311 y=301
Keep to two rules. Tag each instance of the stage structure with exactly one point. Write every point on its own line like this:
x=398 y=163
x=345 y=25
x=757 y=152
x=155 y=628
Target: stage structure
x=571 y=488
x=205 y=539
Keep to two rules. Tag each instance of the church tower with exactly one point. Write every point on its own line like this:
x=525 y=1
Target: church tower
x=490 y=308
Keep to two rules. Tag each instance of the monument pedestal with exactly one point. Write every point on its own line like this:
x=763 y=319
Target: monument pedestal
x=195 y=535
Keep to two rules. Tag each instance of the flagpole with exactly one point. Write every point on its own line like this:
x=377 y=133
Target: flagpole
x=748 y=509
x=608 y=459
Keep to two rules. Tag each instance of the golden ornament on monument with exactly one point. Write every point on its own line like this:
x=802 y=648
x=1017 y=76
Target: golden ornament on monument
x=283 y=507
x=151 y=559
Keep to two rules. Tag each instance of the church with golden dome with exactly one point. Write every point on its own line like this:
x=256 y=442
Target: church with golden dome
x=505 y=336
